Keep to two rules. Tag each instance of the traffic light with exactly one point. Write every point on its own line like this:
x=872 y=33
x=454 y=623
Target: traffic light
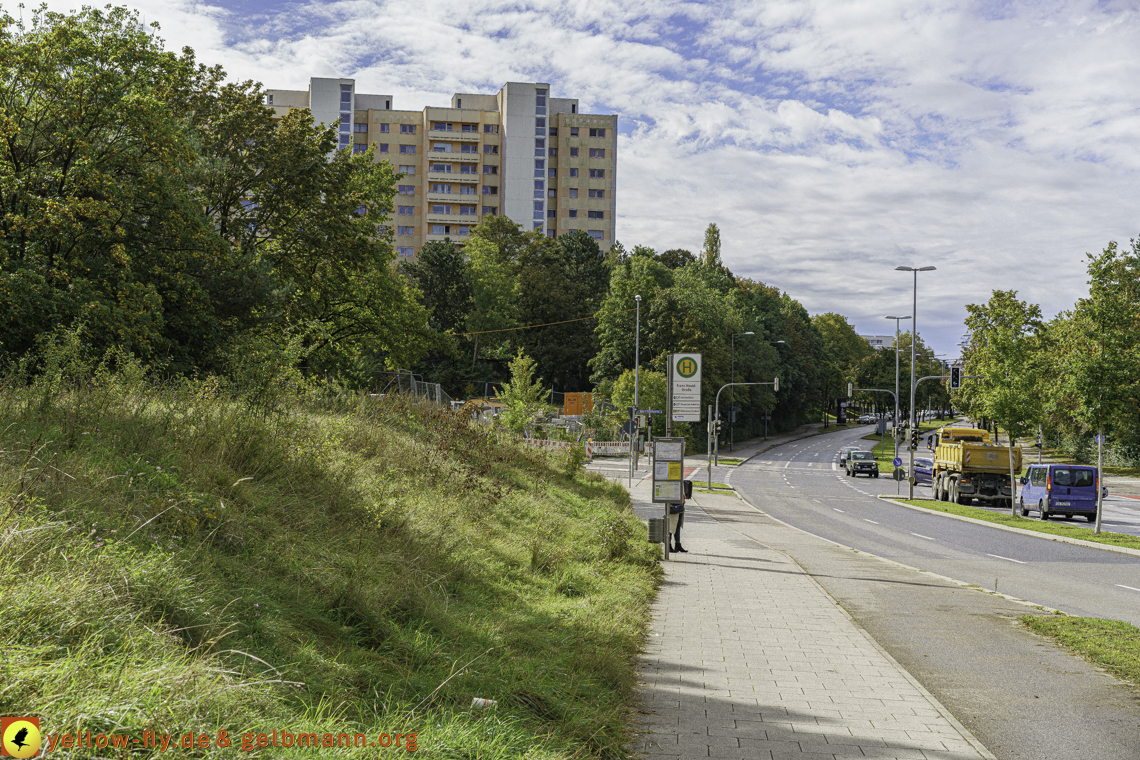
x=716 y=426
x=914 y=439
x=776 y=385
x=850 y=390
x=955 y=377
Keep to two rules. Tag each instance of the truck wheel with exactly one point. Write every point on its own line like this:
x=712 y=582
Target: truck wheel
x=1024 y=511
x=1044 y=512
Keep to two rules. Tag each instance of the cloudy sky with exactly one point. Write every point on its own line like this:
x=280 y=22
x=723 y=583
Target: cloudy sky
x=830 y=141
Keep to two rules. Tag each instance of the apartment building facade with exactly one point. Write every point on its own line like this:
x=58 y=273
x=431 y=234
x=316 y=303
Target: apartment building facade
x=519 y=152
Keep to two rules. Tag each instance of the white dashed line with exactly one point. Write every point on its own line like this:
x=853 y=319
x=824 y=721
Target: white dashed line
x=1007 y=559
x=928 y=538
x=870 y=521
x=1120 y=585
x=837 y=510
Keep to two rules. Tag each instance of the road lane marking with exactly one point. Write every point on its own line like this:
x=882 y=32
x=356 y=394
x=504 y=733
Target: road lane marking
x=870 y=521
x=928 y=538
x=1121 y=585
x=837 y=510
x=834 y=466
x=1007 y=559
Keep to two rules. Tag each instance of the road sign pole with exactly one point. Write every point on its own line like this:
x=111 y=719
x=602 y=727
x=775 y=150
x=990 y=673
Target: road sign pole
x=708 y=462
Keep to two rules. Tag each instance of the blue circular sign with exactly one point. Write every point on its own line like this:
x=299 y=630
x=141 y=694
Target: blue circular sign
x=898 y=462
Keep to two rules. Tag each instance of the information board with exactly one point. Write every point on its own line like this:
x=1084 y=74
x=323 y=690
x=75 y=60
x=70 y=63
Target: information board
x=668 y=469
x=685 y=376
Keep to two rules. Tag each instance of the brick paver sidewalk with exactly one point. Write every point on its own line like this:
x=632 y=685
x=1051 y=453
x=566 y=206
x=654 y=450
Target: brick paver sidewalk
x=749 y=658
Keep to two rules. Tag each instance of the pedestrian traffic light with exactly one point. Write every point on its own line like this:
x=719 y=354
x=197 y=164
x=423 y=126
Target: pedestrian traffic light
x=955 y=377
x=716 y=427
x=850 y=390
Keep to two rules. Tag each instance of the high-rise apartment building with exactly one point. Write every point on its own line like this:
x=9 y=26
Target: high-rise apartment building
x=519 y=152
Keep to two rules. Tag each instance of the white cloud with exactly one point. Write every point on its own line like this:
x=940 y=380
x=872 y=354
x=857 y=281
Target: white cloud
x=830 y=140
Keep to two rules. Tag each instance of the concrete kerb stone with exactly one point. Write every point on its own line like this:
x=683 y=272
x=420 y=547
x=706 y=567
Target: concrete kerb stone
x=1022 y=531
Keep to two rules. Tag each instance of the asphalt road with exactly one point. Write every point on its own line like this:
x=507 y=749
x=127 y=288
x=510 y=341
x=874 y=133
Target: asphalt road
x=801 y=484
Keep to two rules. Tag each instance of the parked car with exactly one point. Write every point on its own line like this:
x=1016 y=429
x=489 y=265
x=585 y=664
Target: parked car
x=1059 y=489
x=862 y=462
x=843 y=454
x=923 y=470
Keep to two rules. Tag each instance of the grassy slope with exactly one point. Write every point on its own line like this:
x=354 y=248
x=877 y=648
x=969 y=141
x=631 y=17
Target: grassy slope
x=1112 y=644
x=177 y=561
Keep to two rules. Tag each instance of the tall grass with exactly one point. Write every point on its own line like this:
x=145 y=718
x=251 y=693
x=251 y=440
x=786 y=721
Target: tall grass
x=190 y=556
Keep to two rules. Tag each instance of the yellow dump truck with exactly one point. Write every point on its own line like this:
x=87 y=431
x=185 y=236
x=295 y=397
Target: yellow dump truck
x=968 y=465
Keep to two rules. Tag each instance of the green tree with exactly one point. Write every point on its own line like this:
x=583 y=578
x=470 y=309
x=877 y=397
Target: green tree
x=494 y=298
x=440 y=273
x=617 y=317
x=1003 y=335
x=675 y=258
x=650 y=395
x=522 y=394
x=710 y=253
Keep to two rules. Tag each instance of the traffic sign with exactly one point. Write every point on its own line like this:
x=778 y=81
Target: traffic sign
x=686 y=382
x=1100 y=439
x=898 y=462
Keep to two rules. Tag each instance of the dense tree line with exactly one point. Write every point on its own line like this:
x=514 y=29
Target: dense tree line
x=159 y=209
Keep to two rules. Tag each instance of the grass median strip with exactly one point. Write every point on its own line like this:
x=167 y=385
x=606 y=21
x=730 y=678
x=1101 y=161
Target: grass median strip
x=1004 y=518
x=1112 y=644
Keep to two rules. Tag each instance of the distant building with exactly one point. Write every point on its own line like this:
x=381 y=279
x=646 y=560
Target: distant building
x=879 y=341
x=518 y=152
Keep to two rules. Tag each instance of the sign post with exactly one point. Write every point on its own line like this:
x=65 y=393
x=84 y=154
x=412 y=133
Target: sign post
x=685 y=383
x=668 y=476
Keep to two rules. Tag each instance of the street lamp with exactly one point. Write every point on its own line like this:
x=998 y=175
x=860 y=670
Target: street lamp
x=895 y=421
x=732 y=392
x=636 y=378
x=913 y=340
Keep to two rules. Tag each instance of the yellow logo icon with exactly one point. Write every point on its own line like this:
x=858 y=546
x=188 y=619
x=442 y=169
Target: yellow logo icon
x=687 y=367
x=21 y=736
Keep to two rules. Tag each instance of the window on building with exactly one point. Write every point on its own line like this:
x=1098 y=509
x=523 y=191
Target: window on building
x=552 y=173
x=600 y=132
x=596 y=214
x=359 y=127
x=492 y=149
x=553 y=153
x=344 y=140
x=538 y=225
x=490 y=190
x=383 y=148
x=551 y=213
x=539 y=146
x=345 y=96
x=409 y=150
x=405 y=230
x=467 y=190
x=468 y=169
x=539 y=188
x=540 y=122
x=551 y=193
x=490 y=129
x=573 y=192
x=445 y=168
x=573 y=172
x=407 y=129
x=597 y=152
x=467 y=211
x=407 y=189
x=468 y=148
x=384 y=128
x=573 y=131
x=439 y=229
x=490 y=169
x=407 y=169
x=359 y=148
x=554 y=131
x=441 y=126
x=406 y=210
x=441 y=147
x=440 y=208
x=492 y=210
x=345 y=122
x=470 y=128
x=402 y=251
x=463 y=231
x=597 y=174
x=595 y=234
x=551 y=233
x=573 y=153
x=437 y=188
x=573 y=108
x=597 y=193
x=573 y=213
x=539 y=205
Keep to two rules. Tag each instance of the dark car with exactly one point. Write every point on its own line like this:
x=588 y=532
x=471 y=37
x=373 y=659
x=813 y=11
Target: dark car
x=862 y=462
x=923 y=470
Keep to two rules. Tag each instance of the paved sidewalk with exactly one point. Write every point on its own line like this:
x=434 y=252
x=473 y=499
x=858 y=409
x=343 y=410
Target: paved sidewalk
x=748 y=657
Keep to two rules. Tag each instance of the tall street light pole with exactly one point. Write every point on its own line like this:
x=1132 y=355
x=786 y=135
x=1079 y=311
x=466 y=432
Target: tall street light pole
x=636 y=378
x=913 y=341
x=732 y=391
x=895 y=421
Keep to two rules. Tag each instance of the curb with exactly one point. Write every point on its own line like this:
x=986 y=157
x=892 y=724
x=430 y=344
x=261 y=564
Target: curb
x=1022 y=531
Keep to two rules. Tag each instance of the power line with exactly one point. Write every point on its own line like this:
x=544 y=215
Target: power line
x=548 y=324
